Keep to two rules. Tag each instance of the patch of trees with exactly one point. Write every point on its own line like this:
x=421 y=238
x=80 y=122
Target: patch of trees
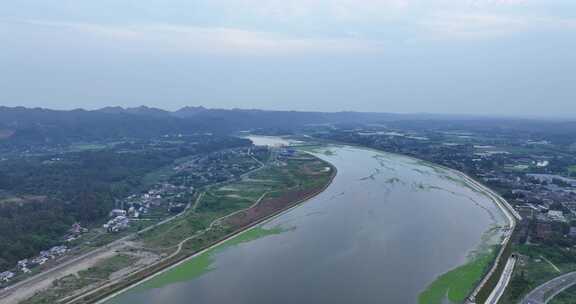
x=78 y=187
x=30 y=227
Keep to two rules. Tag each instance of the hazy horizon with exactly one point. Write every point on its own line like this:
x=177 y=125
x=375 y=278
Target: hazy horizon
x=476 y=57
x=431 y=114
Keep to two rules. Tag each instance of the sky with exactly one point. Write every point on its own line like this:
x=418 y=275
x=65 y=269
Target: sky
x=494 y=57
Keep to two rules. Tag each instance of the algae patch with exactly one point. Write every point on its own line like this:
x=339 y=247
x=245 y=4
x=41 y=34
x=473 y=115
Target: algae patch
x=203 y=263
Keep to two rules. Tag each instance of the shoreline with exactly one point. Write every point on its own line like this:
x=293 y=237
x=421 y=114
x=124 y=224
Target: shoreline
x=107 y=295
x=115 y=288
x=511 y=215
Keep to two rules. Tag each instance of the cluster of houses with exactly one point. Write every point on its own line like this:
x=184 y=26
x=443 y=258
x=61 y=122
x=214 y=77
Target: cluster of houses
x=43 y=257
x=6 y=276
x=118 y=222
x=543 y=224
x=218 y=166
x=176 y=207
x=25 y=265
x=547 y=204
x=75 y=232
x=135 y=206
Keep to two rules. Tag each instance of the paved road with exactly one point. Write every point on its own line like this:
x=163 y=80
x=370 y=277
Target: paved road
x=545 y=292
x=511 y=215
x=503 y=282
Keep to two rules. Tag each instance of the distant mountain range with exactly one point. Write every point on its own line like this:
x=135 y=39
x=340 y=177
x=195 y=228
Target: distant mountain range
x=37 y=125
x=19 y=125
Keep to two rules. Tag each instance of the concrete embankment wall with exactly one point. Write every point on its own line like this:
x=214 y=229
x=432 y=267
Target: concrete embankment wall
x=486 y=289
x=483 y=290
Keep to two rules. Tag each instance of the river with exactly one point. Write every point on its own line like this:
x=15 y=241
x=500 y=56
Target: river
x=382 y=232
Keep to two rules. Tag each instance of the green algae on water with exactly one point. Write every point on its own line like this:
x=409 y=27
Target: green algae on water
x=203 y=263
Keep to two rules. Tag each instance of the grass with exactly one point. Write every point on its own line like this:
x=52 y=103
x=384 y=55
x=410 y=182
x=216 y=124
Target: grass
x=167 y=236
x=227 y=198
x=103 y=269
x=213 y=205
x=456 y=284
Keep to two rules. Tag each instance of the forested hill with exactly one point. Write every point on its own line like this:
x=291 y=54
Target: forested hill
x=42 y=126
x=21 y=125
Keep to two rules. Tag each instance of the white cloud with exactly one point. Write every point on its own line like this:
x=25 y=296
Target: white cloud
x=449 y=25
x=472 y=25
x=286 y=9
x=181 y=38
x=496 y=2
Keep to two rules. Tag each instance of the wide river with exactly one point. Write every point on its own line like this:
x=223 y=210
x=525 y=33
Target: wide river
x=385 y=229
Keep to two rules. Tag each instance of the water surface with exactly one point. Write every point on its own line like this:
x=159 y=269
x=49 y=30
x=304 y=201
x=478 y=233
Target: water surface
x=381 y=232
x=272 y=141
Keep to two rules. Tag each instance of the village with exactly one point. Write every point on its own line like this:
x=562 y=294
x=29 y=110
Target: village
x=162 y=200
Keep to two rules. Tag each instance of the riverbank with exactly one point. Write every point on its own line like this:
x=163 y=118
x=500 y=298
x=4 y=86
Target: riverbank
x=386 y=227
x=472 y=281
x=490 y=279
x=475 y=280
x=313 y=181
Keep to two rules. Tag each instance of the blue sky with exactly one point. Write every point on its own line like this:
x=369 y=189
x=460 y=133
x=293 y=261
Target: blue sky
x=503 y=57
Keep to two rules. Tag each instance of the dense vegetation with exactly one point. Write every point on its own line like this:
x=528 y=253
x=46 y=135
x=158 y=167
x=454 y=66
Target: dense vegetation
x=42 y=196
x=23 y=127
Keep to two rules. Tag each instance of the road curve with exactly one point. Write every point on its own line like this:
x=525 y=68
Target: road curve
x=545 y=292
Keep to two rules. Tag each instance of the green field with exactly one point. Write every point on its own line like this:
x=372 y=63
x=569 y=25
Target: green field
x=272 y=181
